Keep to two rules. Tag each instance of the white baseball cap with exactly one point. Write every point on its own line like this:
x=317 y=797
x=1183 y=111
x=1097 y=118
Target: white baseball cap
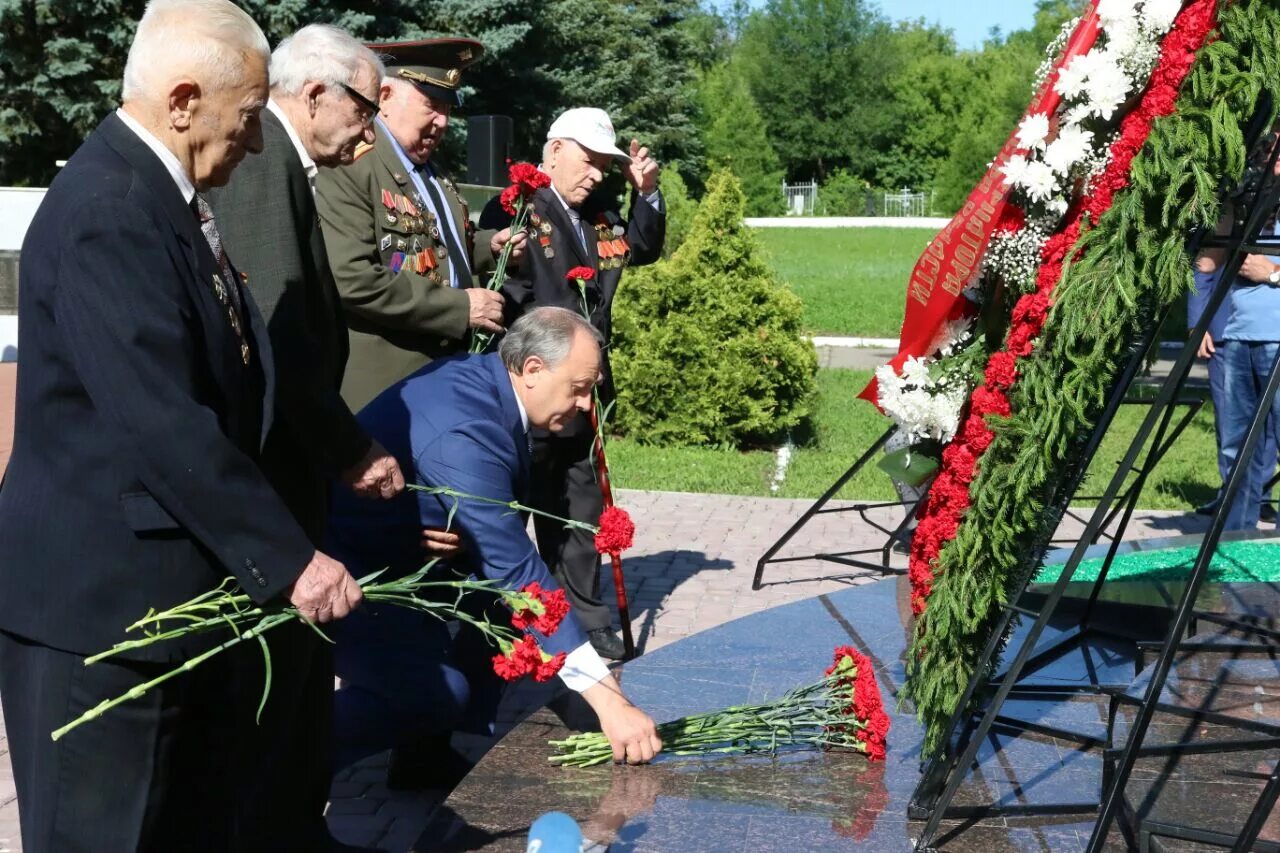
x=590 y=128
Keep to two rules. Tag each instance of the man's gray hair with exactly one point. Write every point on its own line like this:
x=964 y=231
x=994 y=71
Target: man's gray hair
x=208 y=38
x=546 y=333
x=322 y=54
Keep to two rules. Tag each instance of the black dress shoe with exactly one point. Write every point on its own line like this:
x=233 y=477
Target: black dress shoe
x=1267 y=513
x=607 y=644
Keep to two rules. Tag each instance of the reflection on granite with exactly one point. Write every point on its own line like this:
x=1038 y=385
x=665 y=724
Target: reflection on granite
x=835 y=800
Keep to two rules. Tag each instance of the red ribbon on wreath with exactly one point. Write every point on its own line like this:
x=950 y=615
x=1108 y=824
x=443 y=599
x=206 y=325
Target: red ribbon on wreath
x=952 y=259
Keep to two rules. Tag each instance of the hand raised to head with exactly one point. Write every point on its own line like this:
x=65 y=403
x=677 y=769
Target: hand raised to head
x=643 y=171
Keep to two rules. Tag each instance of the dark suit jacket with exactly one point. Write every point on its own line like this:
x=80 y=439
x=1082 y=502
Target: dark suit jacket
x=267 y=218
x=454 y=423
x=134 y=480
x=541 y=281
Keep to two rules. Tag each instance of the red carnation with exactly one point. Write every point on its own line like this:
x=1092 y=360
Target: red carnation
x=617 y=531
x=960 y=460
x=580 y=274
x=523 y=658
x=547 y=669
x=976 y=434
x=1002 y=370
x=528 y=177
x=554 y=608
x=1032 y=308
x=989 y=402
x=1020 y=338
x=508 y=199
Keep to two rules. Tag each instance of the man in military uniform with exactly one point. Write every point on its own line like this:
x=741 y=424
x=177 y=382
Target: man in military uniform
x=575 y=226
x=401 y=245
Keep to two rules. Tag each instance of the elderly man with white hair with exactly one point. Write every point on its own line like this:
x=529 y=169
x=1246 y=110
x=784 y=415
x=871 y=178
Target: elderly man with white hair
x=324 y=86
x=577 y=224
x=147 y=390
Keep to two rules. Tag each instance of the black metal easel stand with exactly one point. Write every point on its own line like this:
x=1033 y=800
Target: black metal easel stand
x=944 y=774
x=819 y=507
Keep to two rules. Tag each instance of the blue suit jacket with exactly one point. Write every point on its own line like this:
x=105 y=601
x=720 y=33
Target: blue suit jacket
x=134 y=480
x=454 y=423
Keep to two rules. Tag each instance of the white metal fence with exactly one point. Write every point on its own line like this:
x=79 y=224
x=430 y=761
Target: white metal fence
x=802 y=200
x=906 y=203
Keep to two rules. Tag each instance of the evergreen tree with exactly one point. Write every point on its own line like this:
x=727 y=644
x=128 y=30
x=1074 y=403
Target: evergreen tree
x=707 y=345
x=60 y=70
x=734 y=135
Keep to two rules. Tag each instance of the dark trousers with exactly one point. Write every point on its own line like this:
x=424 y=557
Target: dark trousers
x=406 y=675
x=289 y=763
x=158 y=773
x=564 y=484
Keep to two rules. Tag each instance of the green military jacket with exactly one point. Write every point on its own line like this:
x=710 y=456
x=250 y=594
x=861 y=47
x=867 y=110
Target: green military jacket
x=392 y=268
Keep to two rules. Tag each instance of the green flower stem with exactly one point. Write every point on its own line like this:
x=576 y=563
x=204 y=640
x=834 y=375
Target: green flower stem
x=811 y=716
x=136 y=692
x=220 y=608
x=480 y=340
x=514 y=506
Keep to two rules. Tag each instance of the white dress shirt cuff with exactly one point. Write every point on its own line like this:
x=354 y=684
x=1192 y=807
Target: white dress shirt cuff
x=583 y=668
x=655 y=200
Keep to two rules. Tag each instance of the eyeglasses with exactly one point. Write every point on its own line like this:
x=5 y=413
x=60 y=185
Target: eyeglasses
x=369 y=109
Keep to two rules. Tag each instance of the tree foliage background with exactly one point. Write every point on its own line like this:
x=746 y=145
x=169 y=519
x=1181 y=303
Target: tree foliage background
x=825 y=90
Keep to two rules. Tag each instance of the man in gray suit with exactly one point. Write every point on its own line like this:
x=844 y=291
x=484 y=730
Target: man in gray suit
x=323 y=86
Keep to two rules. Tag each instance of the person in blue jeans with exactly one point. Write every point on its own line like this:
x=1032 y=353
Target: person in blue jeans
x=1264 y=460
x=1248 y=349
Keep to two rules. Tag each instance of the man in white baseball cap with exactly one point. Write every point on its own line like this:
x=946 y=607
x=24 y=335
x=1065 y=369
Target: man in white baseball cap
x=574 y=225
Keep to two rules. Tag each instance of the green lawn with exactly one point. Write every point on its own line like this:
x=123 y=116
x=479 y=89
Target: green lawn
x=853 y=280
x=843 y=429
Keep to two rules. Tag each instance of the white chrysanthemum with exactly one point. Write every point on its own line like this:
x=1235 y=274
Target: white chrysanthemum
x=1076 y=115
x=1158 y=15
x=1038 y=182
x=1111 y=11
x=1032 y=131
x=1072 y=145
x=1107 y=88
x=1014 y=169
x=915 y=371
x=1057 y=206
x=1073 y=75
x=1122 y=38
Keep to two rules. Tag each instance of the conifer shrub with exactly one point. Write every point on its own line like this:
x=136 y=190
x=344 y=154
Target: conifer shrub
x=707 y=348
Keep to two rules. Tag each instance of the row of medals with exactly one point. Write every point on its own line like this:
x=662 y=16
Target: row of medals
x=417 y=222
x=224 y=297
x=611 y=246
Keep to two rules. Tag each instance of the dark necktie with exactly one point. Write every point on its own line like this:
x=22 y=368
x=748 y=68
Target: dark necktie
x=459 y=264
x=224 y=285
x=577 y=226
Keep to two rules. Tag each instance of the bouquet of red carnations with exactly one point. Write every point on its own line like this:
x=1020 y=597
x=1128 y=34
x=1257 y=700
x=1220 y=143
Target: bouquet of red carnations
x=842 y=710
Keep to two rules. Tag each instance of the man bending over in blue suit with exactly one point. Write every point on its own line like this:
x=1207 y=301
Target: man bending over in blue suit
x=464 y=422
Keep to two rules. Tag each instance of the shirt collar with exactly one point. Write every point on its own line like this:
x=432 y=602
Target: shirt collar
x=524 y=416
x=167 y=157
x=308 y=164
x=573 y=214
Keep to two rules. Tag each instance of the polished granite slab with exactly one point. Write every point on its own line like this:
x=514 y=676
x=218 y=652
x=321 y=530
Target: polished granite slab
x=815 y=800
